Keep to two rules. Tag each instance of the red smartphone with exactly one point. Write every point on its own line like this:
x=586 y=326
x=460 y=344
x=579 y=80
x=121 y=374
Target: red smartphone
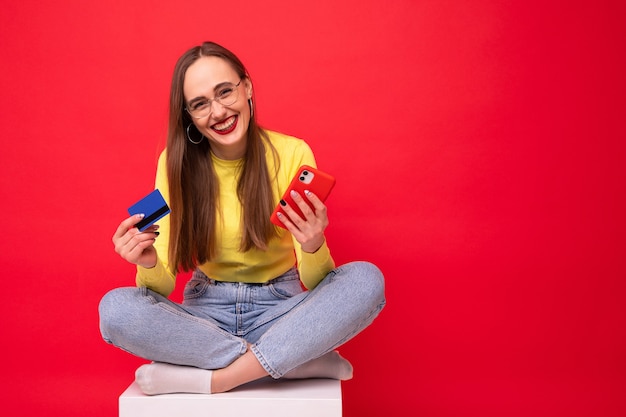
x=308 y=178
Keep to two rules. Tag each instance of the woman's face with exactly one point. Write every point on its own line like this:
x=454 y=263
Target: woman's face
x=226 y=125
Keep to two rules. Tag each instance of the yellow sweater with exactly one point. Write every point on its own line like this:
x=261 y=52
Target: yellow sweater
x=253 y=266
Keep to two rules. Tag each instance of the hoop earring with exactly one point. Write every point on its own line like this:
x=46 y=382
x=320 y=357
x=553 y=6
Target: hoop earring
x=189 y=137
x=251 y=108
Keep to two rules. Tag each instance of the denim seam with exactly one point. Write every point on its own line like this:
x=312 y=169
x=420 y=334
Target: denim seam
x=274 y=316
x=369 y=319
x=264 y=363
x=188 y=316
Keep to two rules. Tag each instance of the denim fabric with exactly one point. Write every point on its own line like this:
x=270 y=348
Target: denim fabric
x=286 y=325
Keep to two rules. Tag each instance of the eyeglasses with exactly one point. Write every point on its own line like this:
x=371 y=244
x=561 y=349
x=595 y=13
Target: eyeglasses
x=226 y=94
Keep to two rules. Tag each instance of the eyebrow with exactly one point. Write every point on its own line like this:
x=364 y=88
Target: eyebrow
x=217 y=87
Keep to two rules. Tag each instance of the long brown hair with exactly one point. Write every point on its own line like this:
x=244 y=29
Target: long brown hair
x=194 y=187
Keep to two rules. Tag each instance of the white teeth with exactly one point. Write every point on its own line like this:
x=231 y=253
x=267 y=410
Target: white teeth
x=225 y=125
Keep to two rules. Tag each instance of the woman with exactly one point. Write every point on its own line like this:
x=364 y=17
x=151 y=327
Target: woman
x=245 y=314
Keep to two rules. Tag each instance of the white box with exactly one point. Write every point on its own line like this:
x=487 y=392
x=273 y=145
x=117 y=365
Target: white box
x=265 y=397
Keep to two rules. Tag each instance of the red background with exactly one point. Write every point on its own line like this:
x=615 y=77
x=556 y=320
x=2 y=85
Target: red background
x=479 y=152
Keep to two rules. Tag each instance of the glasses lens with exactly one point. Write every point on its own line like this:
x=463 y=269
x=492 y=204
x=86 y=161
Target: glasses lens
x=227 y=95
x=200 y=109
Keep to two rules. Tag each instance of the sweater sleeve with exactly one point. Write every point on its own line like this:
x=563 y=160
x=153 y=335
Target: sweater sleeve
x=161 y=278
x=313 y=267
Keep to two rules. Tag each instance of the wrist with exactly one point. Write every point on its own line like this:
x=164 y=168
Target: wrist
x=313 y=247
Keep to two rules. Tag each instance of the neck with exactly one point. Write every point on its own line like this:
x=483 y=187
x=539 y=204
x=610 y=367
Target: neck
x=229 y=153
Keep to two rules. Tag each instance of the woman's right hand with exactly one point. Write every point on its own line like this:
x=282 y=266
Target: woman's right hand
x=134 y=246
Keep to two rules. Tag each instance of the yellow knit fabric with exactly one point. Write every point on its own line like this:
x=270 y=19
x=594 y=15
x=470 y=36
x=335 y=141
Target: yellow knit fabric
x=253 y=266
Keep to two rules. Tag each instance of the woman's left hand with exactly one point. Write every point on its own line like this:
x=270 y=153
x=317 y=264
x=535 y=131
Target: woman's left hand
x=309 y=231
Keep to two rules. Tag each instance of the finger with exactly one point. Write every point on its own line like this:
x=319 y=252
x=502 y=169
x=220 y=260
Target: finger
x=292 y=216
x=319 y=206
x=290 y=226
x=136 y=244
x=308 y=243
x=303 y=205
x=140 y=246
x=126 y=225
x=289 y=217
x=134 y=235
x=315 y=200
x=151 y=229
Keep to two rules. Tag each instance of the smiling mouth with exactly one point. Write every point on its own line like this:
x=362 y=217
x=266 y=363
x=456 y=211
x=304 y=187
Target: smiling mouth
x=226 y=126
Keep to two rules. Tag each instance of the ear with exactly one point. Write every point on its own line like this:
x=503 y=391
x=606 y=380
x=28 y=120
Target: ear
x=248 y=86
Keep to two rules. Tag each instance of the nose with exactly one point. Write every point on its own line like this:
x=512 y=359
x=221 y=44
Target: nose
x=217 y=110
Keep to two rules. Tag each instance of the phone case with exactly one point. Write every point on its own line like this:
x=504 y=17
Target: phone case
x=308 y=178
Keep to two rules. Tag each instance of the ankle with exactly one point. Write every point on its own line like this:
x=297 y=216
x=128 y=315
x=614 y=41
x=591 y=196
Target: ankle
x=218 y=383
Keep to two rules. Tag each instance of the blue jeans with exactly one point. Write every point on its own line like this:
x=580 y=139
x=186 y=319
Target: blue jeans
x=285 y=325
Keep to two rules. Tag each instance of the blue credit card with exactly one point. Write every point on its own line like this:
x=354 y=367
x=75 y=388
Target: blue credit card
x=152 y=206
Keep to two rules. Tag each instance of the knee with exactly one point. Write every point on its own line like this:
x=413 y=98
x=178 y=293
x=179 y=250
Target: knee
x=110 y=303
x=367 y=279
x=111 y=312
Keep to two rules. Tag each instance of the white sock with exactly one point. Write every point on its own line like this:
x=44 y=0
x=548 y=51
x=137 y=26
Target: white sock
x=165 y=378
x=331 y=365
